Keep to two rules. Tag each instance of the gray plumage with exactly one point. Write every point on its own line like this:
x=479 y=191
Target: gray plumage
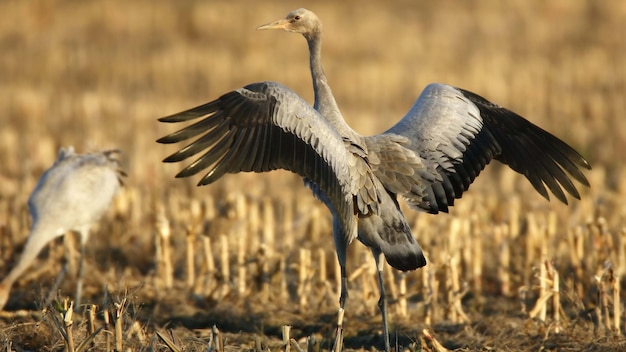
x=429 y=158
x=71 y=195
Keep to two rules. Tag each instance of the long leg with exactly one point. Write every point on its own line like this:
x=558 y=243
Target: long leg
x=37 y=239
x=69 y=265
x=341 y=247
x=382 y=301
x=84 y=234
x=343 y=295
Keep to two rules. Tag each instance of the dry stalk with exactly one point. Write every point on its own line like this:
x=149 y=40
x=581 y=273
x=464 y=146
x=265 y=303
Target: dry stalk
x=56 y=318
x=311 y=344
x=476 y=257
x=241 y=232
x=288 y=228
x=522 y=293
x=285 y=331
x=295 y=345
x=540 y=306
x=282 y=267
x=263 y=267
x=370 y=278
x=91 y=320
x=543 y=276
x=168 y=342
x=241 y=207
x=303 y=277
x=556 y=302
x=88 y=343
x=67 y=327
x=514 y=217
x=605 y=303
x=210 y=265
x=617 y=304
x=431 y=285
x=540 y=310
x=337 y=285
x=119 y=312
x=402 y=304
x=552 y=225
x=164 y=231
x=391 y=281
x=136 y=330
x=454 y=310
x=574 y=237
x=322 y=275
x=603 y=229
x=356 y=273
x=599 y=301
x=430 y=341
x=556 y=296
x=107 y=325
x=70 y=253
x=197 y=212
x=315 y=227
x=532 y=240
x=621 y=253
x=258 y=346
x=253 y=219
x=241 y=264
x=224 y=264
x=191 y=253
x=504 y=250
x=455 y=294
x=269 y=227
x=610 y=282
x=216 y=340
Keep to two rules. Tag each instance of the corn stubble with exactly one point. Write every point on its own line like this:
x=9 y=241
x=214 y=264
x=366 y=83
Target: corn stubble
x=248 y=263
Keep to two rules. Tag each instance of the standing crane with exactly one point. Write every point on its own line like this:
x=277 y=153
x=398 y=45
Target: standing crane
x=429 y=158
x=71 y=195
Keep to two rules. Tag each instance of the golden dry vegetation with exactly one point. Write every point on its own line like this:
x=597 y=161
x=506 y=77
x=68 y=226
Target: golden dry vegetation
x=507 y=270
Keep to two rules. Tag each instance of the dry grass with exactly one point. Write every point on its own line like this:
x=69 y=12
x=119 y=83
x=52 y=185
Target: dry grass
x=97 y=74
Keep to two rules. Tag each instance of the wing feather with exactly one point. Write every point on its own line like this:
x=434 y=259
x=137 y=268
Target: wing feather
x=457 y=133
x=262 y=127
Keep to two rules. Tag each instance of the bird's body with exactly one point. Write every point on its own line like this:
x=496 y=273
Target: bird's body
x=71 y=195
x=429 y=158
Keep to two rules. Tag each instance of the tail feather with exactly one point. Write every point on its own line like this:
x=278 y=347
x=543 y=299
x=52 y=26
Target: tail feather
x=404 y=253
x=390 y=234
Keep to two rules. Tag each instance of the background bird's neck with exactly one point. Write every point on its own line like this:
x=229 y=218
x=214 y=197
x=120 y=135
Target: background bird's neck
x=324 y=101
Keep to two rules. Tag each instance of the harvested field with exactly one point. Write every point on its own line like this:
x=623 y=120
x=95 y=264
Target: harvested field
x=225 y=267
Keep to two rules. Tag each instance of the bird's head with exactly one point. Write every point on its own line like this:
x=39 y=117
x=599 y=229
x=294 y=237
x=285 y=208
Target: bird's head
x=300 y=21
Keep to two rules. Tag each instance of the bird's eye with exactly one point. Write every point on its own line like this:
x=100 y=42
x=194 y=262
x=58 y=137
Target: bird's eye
x=297 y=18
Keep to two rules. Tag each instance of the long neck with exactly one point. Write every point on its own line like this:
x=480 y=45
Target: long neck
x=37 y=239
x=324 y=101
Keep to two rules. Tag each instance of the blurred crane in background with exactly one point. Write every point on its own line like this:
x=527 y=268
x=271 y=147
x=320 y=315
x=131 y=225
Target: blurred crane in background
x=71 y=195
x=429 y=158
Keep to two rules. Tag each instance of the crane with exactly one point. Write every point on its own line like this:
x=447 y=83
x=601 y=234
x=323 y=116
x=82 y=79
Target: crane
x=71 y=195
x=429 y=158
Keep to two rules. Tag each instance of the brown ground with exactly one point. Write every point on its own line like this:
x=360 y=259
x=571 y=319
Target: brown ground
x=97 y=74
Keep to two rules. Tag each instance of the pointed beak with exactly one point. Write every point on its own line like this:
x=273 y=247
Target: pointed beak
x=280 y=24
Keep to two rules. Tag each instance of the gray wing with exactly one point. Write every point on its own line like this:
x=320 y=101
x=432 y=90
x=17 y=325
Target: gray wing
x=262 y=127
x=457 y=133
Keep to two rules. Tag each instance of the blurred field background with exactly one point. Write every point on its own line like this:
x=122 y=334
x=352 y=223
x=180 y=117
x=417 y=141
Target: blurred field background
x=251 y=253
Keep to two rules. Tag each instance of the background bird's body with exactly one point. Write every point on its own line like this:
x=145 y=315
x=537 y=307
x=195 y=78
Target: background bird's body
x=67 y=188
x=71 y=195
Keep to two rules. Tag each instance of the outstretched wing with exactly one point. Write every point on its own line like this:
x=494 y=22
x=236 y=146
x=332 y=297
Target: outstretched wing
x=262 y=127
x=457 y=133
